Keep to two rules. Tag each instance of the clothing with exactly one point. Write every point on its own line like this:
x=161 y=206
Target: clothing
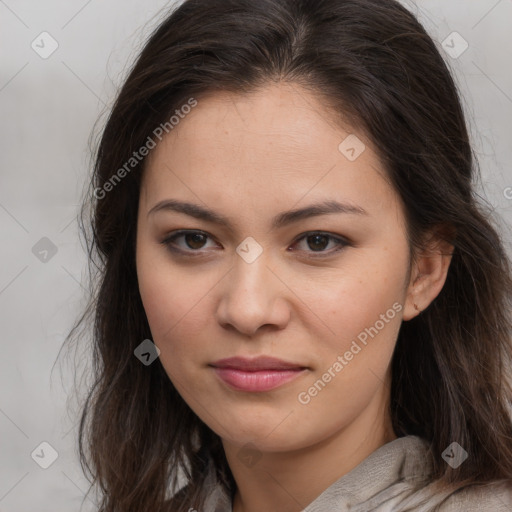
x=394 y=478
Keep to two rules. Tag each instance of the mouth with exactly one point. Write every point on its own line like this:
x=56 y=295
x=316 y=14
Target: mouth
x=256 y=375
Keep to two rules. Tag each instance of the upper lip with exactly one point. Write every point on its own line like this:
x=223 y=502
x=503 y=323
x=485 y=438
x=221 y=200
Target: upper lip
x=258 y=363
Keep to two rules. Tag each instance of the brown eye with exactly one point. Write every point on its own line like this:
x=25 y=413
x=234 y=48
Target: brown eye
x=317 y=242
x=194 y=241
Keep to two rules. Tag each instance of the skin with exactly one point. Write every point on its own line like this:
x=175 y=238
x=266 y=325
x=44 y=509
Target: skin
x=250 y=157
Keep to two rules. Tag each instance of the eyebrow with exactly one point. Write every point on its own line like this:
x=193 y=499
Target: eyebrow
x=279 y=221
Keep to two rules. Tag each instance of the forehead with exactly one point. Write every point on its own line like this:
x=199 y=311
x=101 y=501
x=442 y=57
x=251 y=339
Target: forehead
x=278 y=142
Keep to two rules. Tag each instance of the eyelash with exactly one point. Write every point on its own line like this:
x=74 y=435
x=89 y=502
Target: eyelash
x=168 y=242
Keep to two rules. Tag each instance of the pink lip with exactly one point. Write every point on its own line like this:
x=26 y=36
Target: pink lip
x=259 y=374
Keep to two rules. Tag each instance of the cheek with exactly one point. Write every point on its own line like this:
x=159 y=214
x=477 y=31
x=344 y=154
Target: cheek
x=174 y=300
x=169 y=304
x=364 y=311
x=368 y=290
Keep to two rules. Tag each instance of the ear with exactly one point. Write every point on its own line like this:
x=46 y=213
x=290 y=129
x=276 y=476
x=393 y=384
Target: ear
x=429 y=271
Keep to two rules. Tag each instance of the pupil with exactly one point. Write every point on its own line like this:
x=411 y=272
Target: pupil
x=316 y=238
x=196 y=238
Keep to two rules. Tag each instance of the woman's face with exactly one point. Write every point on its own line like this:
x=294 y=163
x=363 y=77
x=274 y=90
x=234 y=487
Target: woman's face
x=264 y=282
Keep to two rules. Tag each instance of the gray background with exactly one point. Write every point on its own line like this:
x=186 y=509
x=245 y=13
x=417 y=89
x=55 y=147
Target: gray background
x=48 y=109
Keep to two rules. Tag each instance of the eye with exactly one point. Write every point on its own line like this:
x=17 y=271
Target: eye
x=317 y=241
x=194 y=241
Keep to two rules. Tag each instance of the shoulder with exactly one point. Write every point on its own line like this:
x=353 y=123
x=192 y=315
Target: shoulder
x=496 y=497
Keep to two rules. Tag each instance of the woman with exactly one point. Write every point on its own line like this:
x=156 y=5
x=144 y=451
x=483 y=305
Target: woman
x=300 y=303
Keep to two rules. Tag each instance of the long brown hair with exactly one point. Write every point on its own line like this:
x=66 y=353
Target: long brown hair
x=373 y=64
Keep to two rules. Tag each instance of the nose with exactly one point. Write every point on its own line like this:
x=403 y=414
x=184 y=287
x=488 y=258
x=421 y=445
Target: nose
x=253 y=298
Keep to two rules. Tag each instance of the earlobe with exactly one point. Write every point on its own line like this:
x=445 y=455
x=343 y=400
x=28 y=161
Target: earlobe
x=428 y=277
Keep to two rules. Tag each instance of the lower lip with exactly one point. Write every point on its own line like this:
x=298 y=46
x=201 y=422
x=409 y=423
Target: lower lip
x=262 y=380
